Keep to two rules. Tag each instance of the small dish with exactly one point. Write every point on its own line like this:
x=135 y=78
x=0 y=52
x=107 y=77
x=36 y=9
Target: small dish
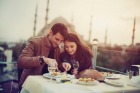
x=114 y=76
x=58 y=80
x=114 y=83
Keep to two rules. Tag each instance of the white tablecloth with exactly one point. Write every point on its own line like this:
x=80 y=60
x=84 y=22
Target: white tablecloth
x=40 y=84
x=65 y=88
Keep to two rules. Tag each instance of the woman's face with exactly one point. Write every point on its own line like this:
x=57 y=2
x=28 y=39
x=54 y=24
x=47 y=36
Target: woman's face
x=70 y=47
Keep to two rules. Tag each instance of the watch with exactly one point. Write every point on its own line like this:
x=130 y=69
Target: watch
x=41 y=60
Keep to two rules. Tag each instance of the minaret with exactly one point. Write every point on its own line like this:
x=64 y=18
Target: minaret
x=90 y=28
x=106 y=32
x=47 y=11
x=133 y=35
x=35 y=20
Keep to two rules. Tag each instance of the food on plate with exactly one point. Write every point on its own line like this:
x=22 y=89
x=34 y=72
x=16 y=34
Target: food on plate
x=86 y=80
x=105 y=74
x=55 y=73
x=65 y=80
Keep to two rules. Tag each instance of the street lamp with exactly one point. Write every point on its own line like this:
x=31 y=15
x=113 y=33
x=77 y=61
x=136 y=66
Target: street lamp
x=95 y=48
x=95 y=41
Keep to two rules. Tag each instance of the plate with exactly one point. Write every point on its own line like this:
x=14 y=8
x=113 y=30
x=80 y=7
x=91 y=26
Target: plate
x=47 y=75
x=106 y=74
x=114 y=76
x=88 y=83
x=114 y=83
x=61 y=75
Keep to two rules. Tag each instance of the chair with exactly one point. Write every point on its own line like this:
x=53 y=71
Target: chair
x=2 y=59
x=3 y=79
x=19 y=75
x=8 y=80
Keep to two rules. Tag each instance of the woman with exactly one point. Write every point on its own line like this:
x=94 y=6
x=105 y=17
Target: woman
x=75 y=50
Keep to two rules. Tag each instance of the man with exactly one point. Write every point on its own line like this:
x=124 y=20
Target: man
x=41 y=51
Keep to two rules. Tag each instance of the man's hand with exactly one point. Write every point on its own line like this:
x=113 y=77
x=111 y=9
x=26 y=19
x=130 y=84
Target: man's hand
x=50 y=61
x=66 y=66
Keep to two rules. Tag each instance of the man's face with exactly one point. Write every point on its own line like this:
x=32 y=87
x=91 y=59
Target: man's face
x=56 y=39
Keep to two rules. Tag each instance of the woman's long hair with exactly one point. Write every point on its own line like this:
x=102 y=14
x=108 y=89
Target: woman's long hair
x=83 y=51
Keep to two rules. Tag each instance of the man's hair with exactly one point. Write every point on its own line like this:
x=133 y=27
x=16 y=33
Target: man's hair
x=59 y=28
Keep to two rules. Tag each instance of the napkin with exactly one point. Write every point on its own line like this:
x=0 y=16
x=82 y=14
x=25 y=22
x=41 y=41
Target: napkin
x=135 y=81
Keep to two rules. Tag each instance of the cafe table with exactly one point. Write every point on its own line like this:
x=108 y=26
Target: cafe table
x=40 y=84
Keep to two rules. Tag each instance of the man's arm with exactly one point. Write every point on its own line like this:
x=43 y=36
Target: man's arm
x=27 y=59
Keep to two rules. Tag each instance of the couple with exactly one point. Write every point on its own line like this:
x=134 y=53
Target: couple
x=41 y=51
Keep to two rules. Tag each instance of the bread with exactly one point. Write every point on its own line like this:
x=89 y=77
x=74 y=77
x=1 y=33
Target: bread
x=90 y=73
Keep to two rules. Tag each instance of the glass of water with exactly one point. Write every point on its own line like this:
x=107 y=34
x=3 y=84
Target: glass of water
x=51 y=68
x=75 y=64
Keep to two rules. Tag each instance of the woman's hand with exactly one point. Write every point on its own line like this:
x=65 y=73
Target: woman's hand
x=66 y=66
x=74 y=71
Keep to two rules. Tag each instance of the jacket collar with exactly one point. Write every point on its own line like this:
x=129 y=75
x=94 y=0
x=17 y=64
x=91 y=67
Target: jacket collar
x=47 y=43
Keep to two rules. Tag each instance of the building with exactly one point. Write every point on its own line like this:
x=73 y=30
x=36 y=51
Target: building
x=46 y=28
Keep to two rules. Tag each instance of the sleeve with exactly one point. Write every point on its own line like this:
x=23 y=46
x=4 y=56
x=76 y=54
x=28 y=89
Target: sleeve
x=60 y=63
x=27 y=59
x=86 y=64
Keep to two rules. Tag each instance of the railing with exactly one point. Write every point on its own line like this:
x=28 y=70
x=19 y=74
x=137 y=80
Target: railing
x=110 y=70
x=8 y=66
x=3 y=62
x=115 y=61
x=8 y=77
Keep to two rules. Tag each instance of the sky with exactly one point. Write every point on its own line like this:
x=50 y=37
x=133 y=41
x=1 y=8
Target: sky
x=115 y=16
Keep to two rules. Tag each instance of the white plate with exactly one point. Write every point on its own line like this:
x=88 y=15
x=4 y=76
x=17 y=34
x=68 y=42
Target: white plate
x=88 y=83
x=47 y=75
x=114 y=83
x=114 y=76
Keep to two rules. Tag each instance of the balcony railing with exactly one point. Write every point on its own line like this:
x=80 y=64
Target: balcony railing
x=116 y=61
x=8 y=77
